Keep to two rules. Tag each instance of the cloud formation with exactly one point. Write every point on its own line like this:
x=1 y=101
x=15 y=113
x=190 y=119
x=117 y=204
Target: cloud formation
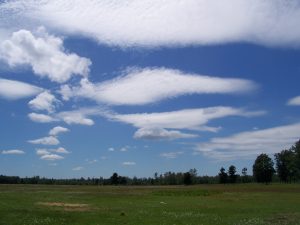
x=79 y=116
x=41 y=118
x=251 y=143
x=45 y=54
x=13 y=152
x=45 y=141
x=171 y=155
x=52 y=157
x=57 y=130
x=294 y=101
x=149 y=85
x=44 y=101
x=13 y=90
x=191 y=119
x=128 y=163
x=152 y=23
x=161 y=134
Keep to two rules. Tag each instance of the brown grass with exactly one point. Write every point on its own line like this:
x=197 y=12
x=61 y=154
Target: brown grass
x=67 y=206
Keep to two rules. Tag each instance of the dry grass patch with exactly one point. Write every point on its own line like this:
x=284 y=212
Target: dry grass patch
x=67 y=206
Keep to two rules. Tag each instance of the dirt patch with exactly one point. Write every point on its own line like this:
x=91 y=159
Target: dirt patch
x=67 y=206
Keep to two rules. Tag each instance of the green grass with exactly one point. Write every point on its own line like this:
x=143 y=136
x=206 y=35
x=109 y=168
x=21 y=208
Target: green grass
x=250 y=204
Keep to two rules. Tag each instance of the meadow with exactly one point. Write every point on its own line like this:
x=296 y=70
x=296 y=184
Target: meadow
x=240 y=204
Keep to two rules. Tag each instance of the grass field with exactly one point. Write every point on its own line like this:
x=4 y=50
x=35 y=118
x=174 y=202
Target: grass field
x=205 y=204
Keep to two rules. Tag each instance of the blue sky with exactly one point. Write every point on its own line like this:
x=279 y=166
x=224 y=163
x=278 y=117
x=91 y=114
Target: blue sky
x=138 y=87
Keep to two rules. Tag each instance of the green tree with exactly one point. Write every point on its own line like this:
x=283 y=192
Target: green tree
x=232 y=174
x=263 y=169
x=187 y=178
x=286 y=165
x=114 y=179
x=223 y=176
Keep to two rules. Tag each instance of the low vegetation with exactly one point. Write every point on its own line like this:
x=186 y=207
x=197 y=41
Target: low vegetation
x=216 y=204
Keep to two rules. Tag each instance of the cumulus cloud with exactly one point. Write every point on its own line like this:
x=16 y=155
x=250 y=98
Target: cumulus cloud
x=76 y=117
x=42 y=151
x=51 y=157
x=13 y=152
x=251 y=143
x=57 y=130
x=166 y=23
x=148 y=85
x=294 y=101
x=79 y=116
x=171 y=155
x=45 y=54
x=13 y=90
x=61 y=150
x=44 y=101
x=45 y=141
x=128 y=163
x=41 y=118
x=161 y=134
x=192 y=119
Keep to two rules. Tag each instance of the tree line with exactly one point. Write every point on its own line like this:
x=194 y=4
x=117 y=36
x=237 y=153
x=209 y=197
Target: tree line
x=286 y=169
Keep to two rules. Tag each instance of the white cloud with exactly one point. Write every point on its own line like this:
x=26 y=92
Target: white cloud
x=41 y=118
x=128 y=163
x=42 y=152
x=57 y=130
x=44 y=101
x=13 y=152
x=91 y=161
x=45 y=54
x=12 y=89
x=160 y=134
x=148 y=85
x=165 y=23
x=111 y=149
x=60 y=150
x=51 y=157
x=124 y=149
x=78 y=168
x=79 y=116
x=76 y=117
x=192 y=119
x=251 y=143
x=294 y=101
x=171 y=155
x=45 y=141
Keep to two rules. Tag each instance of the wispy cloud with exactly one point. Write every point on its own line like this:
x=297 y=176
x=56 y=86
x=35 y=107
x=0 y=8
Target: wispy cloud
x=249 y=144
x=78 y=168
x=52 y=157
x=12 y=152
x=45 y=141
x=44 y=101
x=13 y=90
x=171 y=155
x=44 y=53
x=161 y=134
x=191 y=119
x=128 y=163
x=148 y=85
x=294 y=101
x=165 y=23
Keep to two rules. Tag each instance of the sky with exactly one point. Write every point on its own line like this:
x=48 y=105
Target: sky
x=88 y=88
